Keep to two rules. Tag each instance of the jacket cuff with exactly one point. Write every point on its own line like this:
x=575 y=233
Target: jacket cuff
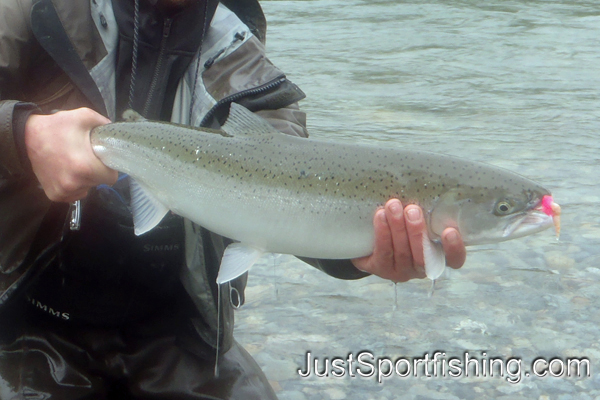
x=21 y=113
x=341 y=269
x=10 y=164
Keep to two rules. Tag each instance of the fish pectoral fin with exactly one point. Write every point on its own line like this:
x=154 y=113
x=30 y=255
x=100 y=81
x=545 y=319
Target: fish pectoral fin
x=435 y=258
x=237 y=259
x=147 y=210
x=242 y=121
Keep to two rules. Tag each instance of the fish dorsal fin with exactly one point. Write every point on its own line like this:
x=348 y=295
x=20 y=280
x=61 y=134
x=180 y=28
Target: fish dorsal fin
x=147 y=210
x=434 y=257
x=237 y=259
x=242 y=121
x=130 y=115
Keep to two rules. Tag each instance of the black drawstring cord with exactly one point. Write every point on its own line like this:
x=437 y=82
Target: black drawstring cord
x=134 y=56
x=193 y=99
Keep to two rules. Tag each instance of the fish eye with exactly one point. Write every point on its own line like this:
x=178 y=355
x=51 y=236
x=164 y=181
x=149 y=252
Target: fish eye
x=503 y=207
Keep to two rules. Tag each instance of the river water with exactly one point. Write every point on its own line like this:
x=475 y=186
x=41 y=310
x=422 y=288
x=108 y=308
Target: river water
x=512 y=83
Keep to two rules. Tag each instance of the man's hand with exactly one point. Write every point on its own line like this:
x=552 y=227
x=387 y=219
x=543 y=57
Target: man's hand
x=398 y=252
x=59 y=148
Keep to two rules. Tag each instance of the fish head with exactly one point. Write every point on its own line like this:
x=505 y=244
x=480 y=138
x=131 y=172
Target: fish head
x=488 y=215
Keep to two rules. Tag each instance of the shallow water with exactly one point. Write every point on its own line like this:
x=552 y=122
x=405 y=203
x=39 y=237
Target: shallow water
x=511 y=83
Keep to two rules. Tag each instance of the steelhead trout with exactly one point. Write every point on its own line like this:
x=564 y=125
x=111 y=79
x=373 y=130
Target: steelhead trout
x=277 y=193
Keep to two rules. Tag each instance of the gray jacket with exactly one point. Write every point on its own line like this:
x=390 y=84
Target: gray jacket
x=59 y=54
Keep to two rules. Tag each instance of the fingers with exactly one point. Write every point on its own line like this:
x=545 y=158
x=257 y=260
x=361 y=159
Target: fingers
x=415 y=226
x=401 y=250
x=398 y=249
x=396 y=235
x=381 y=261
x=99 y=173
x=384 y=246
x=454 y=248
x=61 y=155
x=406 y=227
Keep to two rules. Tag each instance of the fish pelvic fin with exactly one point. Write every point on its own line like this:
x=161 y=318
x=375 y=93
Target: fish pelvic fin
x=434 y=257
x=147 y=210
x=237 y=259
x=242 y=121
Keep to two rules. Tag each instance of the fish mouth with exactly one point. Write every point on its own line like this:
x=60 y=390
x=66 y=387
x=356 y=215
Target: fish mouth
x=532 y=221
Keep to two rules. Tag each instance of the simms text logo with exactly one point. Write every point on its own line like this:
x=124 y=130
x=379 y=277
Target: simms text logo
x=160 y=247
x=44 y=307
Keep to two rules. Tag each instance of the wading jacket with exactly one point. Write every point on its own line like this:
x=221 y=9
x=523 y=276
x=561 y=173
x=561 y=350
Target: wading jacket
x=59 y=55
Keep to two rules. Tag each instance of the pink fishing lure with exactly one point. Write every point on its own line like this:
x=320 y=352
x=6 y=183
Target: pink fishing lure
x=553 y=209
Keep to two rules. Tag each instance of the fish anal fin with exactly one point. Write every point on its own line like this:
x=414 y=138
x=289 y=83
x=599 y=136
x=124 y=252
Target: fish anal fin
x=237 y=259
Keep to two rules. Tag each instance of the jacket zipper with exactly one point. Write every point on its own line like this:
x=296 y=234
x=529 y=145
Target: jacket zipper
x=239 y=36
x=240 y=95
x=157 y=71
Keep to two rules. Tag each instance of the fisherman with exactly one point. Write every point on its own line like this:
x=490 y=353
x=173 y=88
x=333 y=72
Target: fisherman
x=87 y=309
